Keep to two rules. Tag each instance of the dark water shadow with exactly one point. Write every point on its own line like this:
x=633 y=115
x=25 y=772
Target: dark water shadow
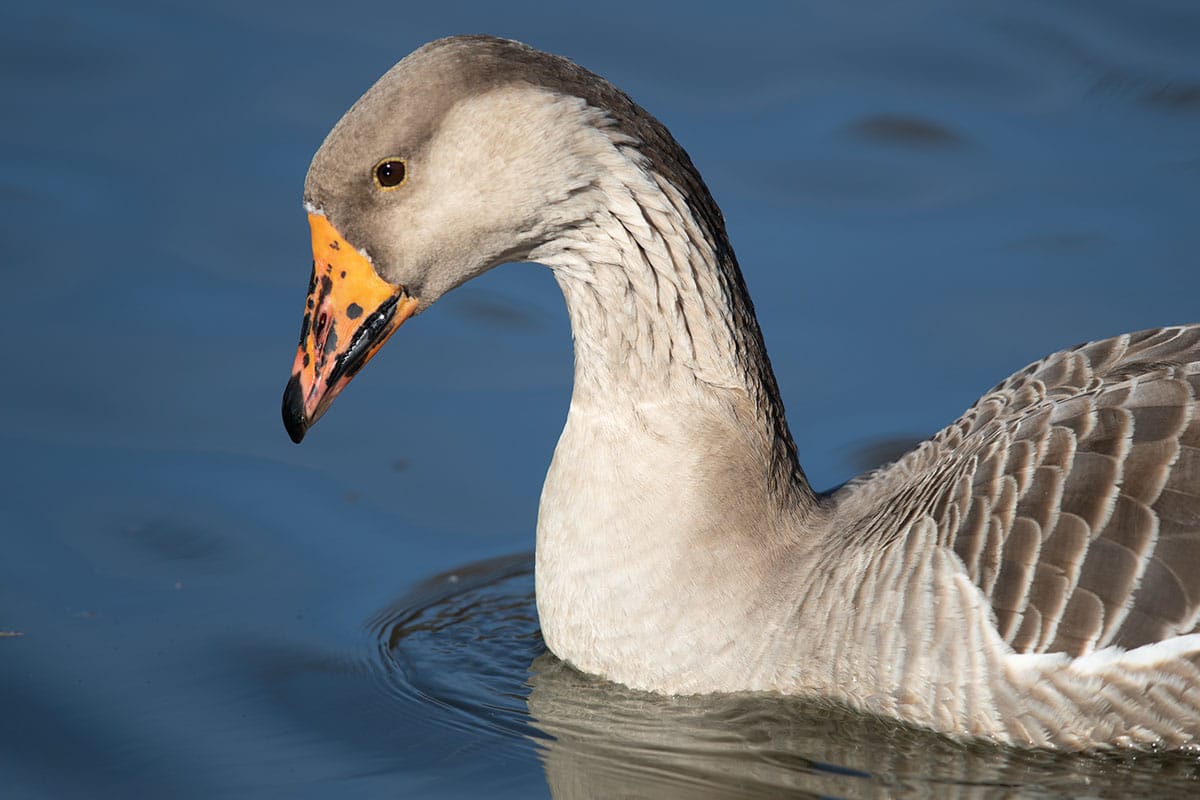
x=901 y=130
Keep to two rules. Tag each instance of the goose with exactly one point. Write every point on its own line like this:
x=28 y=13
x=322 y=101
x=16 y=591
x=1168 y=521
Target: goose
x=1030 y=575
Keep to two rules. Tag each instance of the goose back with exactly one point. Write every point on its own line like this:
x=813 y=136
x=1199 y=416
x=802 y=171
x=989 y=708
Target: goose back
x=1071 y=494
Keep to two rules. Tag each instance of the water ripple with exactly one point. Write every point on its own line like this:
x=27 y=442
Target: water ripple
x=463 y=649
x=462 y=642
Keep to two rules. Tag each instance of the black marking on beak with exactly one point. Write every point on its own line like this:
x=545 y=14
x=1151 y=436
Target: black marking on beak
x=376 y=326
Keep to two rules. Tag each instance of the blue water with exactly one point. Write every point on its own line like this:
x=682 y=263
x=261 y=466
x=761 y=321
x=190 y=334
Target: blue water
x=924 y=197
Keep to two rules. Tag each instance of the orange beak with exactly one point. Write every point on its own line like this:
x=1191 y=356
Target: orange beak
x=349 y=314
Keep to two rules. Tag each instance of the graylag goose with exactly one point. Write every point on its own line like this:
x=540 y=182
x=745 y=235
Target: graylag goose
x=1030 y=575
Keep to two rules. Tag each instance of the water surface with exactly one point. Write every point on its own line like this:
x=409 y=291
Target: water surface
x=924 y=196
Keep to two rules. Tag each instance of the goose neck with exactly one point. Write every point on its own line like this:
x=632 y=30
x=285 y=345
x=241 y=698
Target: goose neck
x=661 y=317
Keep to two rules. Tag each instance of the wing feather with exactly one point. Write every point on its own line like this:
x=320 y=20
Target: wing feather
x=1071 y=494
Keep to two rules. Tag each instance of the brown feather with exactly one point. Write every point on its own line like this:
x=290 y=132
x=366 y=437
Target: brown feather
x=1071 y=494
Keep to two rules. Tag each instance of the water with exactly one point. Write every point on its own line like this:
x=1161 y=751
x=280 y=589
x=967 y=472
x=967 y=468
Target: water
x=924 y=197
x=467 y=643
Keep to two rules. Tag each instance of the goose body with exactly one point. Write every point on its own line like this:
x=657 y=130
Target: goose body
x=1031 y=574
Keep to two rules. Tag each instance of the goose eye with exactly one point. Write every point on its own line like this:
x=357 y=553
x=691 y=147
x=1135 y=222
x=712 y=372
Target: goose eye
x=391 y=173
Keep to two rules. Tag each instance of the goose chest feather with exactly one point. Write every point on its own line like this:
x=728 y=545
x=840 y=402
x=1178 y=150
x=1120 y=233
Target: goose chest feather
x=1031 y=574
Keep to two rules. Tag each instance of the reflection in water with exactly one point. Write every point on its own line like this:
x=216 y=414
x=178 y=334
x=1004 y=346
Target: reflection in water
x=466 y=645
x=188 y=585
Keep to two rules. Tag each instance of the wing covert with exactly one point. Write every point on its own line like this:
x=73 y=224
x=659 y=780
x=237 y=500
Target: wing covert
x=1071 y=493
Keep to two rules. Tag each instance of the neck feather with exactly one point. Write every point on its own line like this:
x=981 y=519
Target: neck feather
x=659 y=309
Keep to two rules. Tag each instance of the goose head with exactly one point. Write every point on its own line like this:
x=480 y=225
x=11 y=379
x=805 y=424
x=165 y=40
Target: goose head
x=469 y=153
